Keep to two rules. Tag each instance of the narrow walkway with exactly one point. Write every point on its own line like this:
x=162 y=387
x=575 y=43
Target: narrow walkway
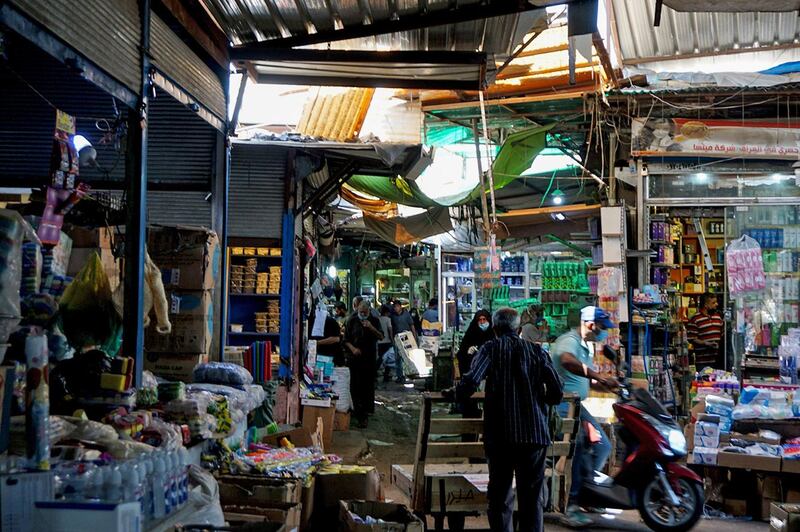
x=391 y=438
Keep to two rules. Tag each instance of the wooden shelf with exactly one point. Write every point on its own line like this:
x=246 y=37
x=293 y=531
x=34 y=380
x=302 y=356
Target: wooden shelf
x=252 y=333
x=254 y=295
x=255 y=256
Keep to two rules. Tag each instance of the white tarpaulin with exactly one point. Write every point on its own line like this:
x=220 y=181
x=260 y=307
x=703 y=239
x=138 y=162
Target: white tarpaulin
x=733 y=5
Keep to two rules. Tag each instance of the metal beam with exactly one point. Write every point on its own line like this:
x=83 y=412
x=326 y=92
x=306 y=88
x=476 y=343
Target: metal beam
x=135 y=226
x=332 y=184
x=253 y=52
x=377 y=83
x=546 y=97
x=237 y=107
x=467 y=13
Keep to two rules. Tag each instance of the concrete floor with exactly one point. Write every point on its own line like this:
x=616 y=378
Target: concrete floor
x=391 y=439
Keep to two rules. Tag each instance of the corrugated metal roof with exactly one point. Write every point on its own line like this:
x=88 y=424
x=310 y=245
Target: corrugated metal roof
x=682 y=33
x=254 y=21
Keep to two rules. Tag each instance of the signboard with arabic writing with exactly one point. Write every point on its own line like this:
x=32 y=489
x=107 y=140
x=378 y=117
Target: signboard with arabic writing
x=679 y=137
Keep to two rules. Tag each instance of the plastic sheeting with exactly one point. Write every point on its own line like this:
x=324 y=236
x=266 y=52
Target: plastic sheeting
x=403 y=231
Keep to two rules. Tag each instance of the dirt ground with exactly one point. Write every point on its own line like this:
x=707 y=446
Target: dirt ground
x=391 y=439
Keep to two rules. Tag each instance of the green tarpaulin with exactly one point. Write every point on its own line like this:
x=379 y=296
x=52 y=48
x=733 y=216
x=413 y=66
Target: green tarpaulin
x=515 y=156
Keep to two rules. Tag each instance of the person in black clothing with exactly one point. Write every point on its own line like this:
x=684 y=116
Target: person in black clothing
x=330 y=342
x=361 y=334
x=478 y=333
x=520 y=384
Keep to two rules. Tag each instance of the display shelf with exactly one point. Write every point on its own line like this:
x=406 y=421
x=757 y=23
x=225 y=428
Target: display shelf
x=512 y=274
x=663 y=265
x=237 y=256
x=252 y=333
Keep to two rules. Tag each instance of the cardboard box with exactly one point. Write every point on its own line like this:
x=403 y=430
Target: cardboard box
x=297 y=435
x=190 y=302
x=745 y=461
x=82 y=237
x=190 y=334
x=792 y=496
x=341 y=421
x=175 y=367
x=396 y=517
x=66 y=516
x=307 y=510
x=329 y=489
x=258 y=491
x=688 y=433
x=735 y=507
x=790 y=466
x=188 y=257
x=704 y=455
x=728 y=436
x=310 y=416
x=784 y=517
x=288 y=518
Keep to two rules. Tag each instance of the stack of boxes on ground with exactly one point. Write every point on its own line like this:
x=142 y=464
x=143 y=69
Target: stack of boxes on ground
x=189 y=259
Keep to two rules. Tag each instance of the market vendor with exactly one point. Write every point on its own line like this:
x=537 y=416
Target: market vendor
x=572 y=359
x=361 y=335
x=704 y=331
x=329 y=342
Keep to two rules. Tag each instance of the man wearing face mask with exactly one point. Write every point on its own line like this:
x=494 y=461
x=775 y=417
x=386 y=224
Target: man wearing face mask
x=572 y=359
x=361 y=335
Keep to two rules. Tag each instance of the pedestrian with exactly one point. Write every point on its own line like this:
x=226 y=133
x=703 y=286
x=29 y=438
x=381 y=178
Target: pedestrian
x=401 y=322
x=431 y=314
x=361 y=336
x=520 y=384
x=572 y=359
x=386 y=342
x=329 y=342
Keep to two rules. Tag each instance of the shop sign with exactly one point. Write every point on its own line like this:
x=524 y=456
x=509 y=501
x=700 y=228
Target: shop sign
x=679 y=137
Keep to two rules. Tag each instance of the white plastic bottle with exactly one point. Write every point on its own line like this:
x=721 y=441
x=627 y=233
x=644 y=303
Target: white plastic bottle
x=113 y=484
x=184 y=457
x=172 y=467
x=147 y=472
x=159 y=487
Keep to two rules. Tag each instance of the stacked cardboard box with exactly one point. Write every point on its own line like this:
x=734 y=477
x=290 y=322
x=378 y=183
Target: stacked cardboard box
x=188 y=258
x=88 y=241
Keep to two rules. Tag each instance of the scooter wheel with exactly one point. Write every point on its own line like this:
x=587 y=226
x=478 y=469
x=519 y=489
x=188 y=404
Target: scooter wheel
x=658 y=514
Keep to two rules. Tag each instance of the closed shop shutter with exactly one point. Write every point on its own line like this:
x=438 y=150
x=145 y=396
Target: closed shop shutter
x=106 y=32
x=256 y=198
x=178 y=208
x=184 y=69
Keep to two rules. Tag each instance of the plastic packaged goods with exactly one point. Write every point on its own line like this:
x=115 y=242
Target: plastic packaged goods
x=222 y=373
x=37 y=400
x=745 y=265
x=341 y=387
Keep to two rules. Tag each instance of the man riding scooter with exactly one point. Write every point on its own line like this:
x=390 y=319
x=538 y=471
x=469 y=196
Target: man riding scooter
x=572 y=359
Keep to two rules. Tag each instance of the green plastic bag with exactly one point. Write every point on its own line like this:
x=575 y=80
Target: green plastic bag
x=87 y=313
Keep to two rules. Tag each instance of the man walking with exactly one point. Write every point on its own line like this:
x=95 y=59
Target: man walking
x=401 y=322
x=361 y=335
x=573 y=362
x=520 y=383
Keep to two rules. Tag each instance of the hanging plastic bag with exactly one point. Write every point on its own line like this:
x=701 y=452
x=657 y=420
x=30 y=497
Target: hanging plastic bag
x=87 y=312
x=13 y=230
x=155 y=297
x=745 y=266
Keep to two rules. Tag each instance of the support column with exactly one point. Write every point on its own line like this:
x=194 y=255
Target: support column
x=136 y=222
x=219 y=219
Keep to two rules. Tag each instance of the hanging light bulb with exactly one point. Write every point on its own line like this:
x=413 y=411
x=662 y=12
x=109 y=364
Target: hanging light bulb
x=558 y=196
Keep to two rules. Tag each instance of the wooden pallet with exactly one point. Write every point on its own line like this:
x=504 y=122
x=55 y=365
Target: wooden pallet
x=447 y=489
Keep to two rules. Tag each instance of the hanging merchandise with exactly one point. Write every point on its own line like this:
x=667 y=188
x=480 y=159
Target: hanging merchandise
x=87 y=313
x=745 y=266
x=609 y=286
x=155 y=298
x=37 y=403
x=13 y=230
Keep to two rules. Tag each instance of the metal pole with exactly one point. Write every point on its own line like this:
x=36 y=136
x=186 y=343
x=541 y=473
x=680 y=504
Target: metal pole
x=135 y=224
x=484 y=204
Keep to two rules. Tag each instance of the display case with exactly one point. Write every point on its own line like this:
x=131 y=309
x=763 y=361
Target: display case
x=762 y=318
x=458 y=291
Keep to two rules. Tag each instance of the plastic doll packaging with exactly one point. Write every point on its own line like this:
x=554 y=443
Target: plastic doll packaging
x=745 y=266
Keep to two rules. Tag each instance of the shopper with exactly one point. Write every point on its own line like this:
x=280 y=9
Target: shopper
x=572 y=359
x=479 y=331
x=417 y=322
x=431 y=314
x=361 y=336
x=401 y=322
x=704 y=332
x=520 y=383
x=534 y=327
x=386 y=342
x=329 y=342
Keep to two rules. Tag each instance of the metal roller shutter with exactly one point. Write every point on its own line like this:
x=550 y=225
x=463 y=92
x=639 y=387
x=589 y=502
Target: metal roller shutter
x=106 y=32
x=178 y=208
x=180 y=144
x=257 y=184
x=173 y=58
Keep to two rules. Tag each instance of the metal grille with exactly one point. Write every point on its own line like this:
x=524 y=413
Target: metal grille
x=178 y=208
x=107 y=32
x=256 y=199
x=177 y=61
x=180 y=144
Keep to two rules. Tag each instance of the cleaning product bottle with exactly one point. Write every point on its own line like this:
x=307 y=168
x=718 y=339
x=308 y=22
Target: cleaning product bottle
x=159 y=486
x=113 y=484
x=174 y=479
x=184 y=488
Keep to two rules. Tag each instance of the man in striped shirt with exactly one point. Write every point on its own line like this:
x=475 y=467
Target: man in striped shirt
x=520 y=384
x=704 y=331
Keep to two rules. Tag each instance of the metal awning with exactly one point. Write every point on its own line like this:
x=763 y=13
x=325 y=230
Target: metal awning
x=440 y=44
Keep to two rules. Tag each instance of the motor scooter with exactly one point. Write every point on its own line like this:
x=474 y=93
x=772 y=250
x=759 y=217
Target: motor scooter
x=669 y=496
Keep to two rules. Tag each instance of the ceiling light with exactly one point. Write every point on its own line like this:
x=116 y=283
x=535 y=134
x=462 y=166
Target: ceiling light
x=701 y=177
x=558 y=216
x=332 y=271
x=558 y=196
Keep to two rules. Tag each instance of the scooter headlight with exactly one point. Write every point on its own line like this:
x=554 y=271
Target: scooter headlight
x=677 y=441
